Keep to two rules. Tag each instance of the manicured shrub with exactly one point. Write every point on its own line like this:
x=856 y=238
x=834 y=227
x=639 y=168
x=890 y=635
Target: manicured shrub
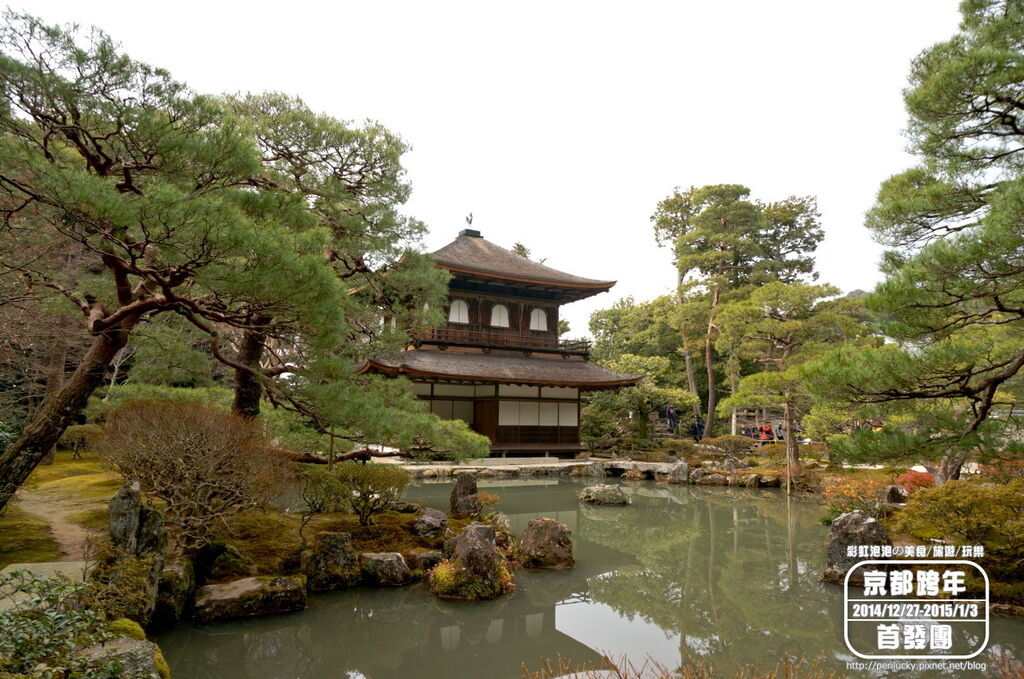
x=78 y=437
x=206 y=464
x=737 y=446
x=913 y=481
x=322 y=491
x=41 y=633
x=680 y=446
x=991 y=515
x=372 y=486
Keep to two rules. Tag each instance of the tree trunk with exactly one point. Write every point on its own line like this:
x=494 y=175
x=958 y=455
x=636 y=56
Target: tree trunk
x=709 y=360
x=691 y=382
x=947 y=469
x=732 y=429
x=55 y=372
x=792 y=455
x=58 y=410
x=248 y=388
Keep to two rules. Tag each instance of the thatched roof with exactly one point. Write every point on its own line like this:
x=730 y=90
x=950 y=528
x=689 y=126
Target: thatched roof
x=464 y=366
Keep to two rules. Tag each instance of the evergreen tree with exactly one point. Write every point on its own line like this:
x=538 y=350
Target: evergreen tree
x=724 y=245
x=954 y=296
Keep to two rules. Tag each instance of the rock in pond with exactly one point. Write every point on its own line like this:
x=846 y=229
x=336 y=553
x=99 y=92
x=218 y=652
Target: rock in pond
x=476 y=569
x=463 y=500
x=431 y=524
x=850 y=529
x=770 y=481
x=546 y=543
x=679 y=473
x=175 y=592
x=332 y=563
x=386 y=569
x=220 y=561
x=592 y=470
x=604 y=494
x=250 y=597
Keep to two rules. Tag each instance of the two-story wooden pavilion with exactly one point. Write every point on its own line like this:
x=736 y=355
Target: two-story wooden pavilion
x=498 y=362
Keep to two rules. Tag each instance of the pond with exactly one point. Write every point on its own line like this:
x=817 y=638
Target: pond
x=727 y=575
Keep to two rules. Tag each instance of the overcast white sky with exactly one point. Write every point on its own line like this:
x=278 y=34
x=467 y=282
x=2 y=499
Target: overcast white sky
x=562 y=124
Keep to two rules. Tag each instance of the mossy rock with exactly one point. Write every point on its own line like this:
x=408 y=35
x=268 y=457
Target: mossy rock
x=250 y=597
x=124 y=627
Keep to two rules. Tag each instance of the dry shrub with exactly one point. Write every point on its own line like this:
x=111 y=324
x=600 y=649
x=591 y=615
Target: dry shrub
x=845 y=494
x=207 y=465
x=488 y=499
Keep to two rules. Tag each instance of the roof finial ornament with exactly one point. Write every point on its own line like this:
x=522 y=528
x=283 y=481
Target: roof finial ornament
x=469 y=219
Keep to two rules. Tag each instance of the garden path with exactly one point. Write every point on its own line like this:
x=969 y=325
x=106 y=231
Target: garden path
x=54 y=507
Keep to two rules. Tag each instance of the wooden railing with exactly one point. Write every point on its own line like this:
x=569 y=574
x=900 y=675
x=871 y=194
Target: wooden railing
x=512 y=340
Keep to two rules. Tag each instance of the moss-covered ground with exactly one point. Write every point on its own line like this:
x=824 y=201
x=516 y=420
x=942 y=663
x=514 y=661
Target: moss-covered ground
x=25 y=538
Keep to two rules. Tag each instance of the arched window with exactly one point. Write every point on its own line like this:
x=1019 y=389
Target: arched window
x=459 y=312
x=499 y=316
x=538 y=320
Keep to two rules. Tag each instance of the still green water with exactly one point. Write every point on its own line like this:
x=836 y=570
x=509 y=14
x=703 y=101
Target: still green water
x=726 y=575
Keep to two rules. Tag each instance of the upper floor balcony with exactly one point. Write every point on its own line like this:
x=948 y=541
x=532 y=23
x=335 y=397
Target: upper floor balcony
x=495 y=339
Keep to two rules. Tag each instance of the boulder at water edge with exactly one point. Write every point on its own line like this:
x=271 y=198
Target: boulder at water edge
x=137 y=530
x=476 y=569
x=332 y=563
x=679 y=473
x=604 y=494
x=175 y=592
x=220 y=561
x=136 y=658
x=463 y=499
x=546 y=543
x=386 y=569
x=250 y=597
x=850 y=529
x=431 y=524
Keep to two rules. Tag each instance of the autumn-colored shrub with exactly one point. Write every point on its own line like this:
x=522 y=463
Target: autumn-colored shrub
x=1003 y=471
x=206 y=464
x=914 y=481
x=846 y=494
x=633 y=475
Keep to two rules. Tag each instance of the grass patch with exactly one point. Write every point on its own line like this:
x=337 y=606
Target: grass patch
x=100 y=485
x=96 y=519
x=25 y=538
x=63 y=467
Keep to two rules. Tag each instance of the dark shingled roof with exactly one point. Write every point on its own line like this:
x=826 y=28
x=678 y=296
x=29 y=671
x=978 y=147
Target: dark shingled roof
x=476 y=255
x=549 y=369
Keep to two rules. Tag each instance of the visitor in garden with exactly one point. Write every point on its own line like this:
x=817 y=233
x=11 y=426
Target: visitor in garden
x=672 y=417
x=697 y=429
x=779 y=432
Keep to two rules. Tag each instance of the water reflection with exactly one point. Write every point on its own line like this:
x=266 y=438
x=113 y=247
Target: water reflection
x=726 y=574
